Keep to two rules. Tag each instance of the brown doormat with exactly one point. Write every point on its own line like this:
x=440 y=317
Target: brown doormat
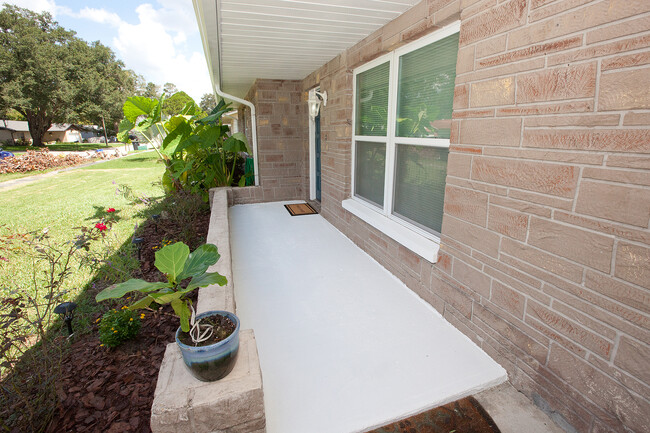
x=300 y=209
x=461 y=416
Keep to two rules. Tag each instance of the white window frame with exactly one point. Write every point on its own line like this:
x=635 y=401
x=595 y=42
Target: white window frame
x=422 y=242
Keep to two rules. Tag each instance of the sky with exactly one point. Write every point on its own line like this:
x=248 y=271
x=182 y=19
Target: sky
x=158 y=39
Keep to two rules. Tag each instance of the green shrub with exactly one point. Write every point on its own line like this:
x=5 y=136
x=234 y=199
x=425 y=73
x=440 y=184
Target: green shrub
x=118 y=326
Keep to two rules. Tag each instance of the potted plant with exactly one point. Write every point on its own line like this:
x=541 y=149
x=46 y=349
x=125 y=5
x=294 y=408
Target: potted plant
x=209 y=341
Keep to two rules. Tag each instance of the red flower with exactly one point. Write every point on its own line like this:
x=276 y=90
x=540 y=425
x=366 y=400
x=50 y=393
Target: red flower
x=101 y=226
x=110 y=210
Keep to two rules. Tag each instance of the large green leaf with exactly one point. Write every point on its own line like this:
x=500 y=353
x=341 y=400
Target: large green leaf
x=183 y=312
x=166 y=298
x=136 y=106
x=236 y=143
x=125 y=127
x=206 y=280
x=142 y=303
x=170 y=260
x=216 y=113
x=133 y=285
x=200 y=260
x=175 y=137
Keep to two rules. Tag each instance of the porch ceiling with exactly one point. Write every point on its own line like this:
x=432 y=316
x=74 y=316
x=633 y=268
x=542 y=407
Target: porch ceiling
x=283 y=39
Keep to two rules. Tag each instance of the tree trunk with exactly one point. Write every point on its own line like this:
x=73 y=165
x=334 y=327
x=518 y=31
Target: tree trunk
x=38 y=126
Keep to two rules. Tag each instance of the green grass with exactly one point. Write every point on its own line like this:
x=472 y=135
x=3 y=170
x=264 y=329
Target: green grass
x=11 y=176
x=147 y=159
x=77 y=198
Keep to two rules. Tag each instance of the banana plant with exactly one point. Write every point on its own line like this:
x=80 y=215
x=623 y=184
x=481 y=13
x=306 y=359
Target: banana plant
x=199 y=153
x=178 y=265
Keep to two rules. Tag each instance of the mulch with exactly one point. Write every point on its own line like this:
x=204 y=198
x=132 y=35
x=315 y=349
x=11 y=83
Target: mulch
x=461 y=416
x=111 y=390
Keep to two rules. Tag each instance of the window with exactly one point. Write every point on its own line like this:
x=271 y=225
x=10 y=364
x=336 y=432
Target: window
x=402 y=125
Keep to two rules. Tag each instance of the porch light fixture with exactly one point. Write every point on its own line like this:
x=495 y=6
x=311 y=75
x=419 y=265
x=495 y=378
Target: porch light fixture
x=314 y=102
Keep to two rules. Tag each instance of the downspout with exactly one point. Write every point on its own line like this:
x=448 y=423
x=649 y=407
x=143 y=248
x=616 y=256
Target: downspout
x=200 y=11
x=250 y=105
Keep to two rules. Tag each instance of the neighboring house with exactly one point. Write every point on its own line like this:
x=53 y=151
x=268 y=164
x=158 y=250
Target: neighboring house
x=492 y=155
x=59 y=132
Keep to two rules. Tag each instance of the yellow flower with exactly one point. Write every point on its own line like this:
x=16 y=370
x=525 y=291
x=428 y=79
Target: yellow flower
x=101 y=345
x=142 y=316
x=114 y=332
x=131 y=319
x=98 y=320
x=124 y=307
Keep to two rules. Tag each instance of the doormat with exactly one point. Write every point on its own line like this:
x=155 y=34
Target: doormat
x=300 y=209
x=461 y=416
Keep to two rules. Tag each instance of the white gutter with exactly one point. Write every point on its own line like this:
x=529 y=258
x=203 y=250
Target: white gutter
x=216 y=83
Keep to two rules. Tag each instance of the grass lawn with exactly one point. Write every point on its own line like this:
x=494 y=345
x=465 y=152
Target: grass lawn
x=77 y=198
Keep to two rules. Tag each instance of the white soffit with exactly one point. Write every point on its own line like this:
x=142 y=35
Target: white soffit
x=284 y=39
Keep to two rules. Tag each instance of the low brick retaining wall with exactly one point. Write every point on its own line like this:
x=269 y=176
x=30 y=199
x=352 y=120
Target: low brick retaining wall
x=234 y=404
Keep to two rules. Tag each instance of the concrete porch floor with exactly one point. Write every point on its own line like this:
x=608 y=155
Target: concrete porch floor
x=344 y=346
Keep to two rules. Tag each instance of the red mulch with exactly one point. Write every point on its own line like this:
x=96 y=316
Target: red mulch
x=111 y=390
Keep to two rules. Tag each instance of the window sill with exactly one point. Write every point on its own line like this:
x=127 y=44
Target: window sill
x=419 y=244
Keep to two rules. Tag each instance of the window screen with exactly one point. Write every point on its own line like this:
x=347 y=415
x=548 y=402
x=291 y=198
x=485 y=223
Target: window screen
x=372 y=101
x=369 y=171
x=425 y=92
x=420 y=185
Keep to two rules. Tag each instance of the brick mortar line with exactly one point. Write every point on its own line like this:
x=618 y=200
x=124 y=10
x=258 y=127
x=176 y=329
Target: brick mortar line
x=577 y=190
x=536 y=160
x=613 y=23
x=630 y=67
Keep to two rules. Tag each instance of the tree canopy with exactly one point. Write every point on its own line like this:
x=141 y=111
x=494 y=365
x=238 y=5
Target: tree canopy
x=208 y=102
x=175 y=103
x=49 y=75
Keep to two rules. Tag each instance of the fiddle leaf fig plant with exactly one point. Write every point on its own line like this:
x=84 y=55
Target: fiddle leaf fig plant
x=178 y=264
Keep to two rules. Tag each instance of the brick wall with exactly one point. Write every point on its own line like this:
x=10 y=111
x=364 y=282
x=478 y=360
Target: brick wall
x=545 y=259
x=282 y=141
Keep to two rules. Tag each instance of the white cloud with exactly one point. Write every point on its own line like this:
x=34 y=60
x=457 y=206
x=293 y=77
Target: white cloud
x=156 y=46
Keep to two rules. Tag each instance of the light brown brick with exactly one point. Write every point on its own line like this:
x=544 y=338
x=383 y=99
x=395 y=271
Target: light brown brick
x=582 y=246
x=555 y=336
x=461 y=97
x=624 y=379
x=545 y=200
x=510 y=335
x=471 y=235
x=621 y=176
x=600 y=50
x=497 y=20
x=465 y=62
x=546 y=155
x=508 y=222
x=555 y=9
x=595 y=14
x=532 y=51
x=636 y=161
x=508 y=299
x=553 y=108
x=472 y=278
x=556 y=84
x=580 y=120
x=570 y=329
x=543 y=260
x=522 y=206
x=475 y=8
x=621 y=292
x=493 y=92
x=617 y=30
x=554 y=179
x=472 y=114
x=630 y=410
x=586 y=320
x=614 y=202
x=466 y=204
x=491 y=132
x=491 y=46
x=633 y=264
x=614 y=140
x=633 y=357
x=637 y=59
x=458 y=299
x=624 y=90
x=459 y=165
x=501 y=71
x=636 y=119
x=603 y=227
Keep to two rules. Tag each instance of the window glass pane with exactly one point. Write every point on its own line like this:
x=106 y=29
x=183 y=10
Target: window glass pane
x=425 y=93
x=369 y=171
x=372 y=101
x=420 y=185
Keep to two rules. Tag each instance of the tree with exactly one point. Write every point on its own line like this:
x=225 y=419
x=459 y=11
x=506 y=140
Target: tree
x=170 y=89
x=175 y=103
x=208 y=102
x=151 y=91
x=49 y=75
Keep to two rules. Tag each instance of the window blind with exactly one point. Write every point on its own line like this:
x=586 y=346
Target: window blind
x=370 y=171
x=372 y=101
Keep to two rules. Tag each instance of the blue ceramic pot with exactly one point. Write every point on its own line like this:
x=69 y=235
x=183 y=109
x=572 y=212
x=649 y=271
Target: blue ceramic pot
x=213 y=362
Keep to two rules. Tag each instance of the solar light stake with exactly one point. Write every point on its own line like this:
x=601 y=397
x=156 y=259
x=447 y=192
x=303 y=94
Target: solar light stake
x=138 y=243
x=156 y=217
x=66 y=311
